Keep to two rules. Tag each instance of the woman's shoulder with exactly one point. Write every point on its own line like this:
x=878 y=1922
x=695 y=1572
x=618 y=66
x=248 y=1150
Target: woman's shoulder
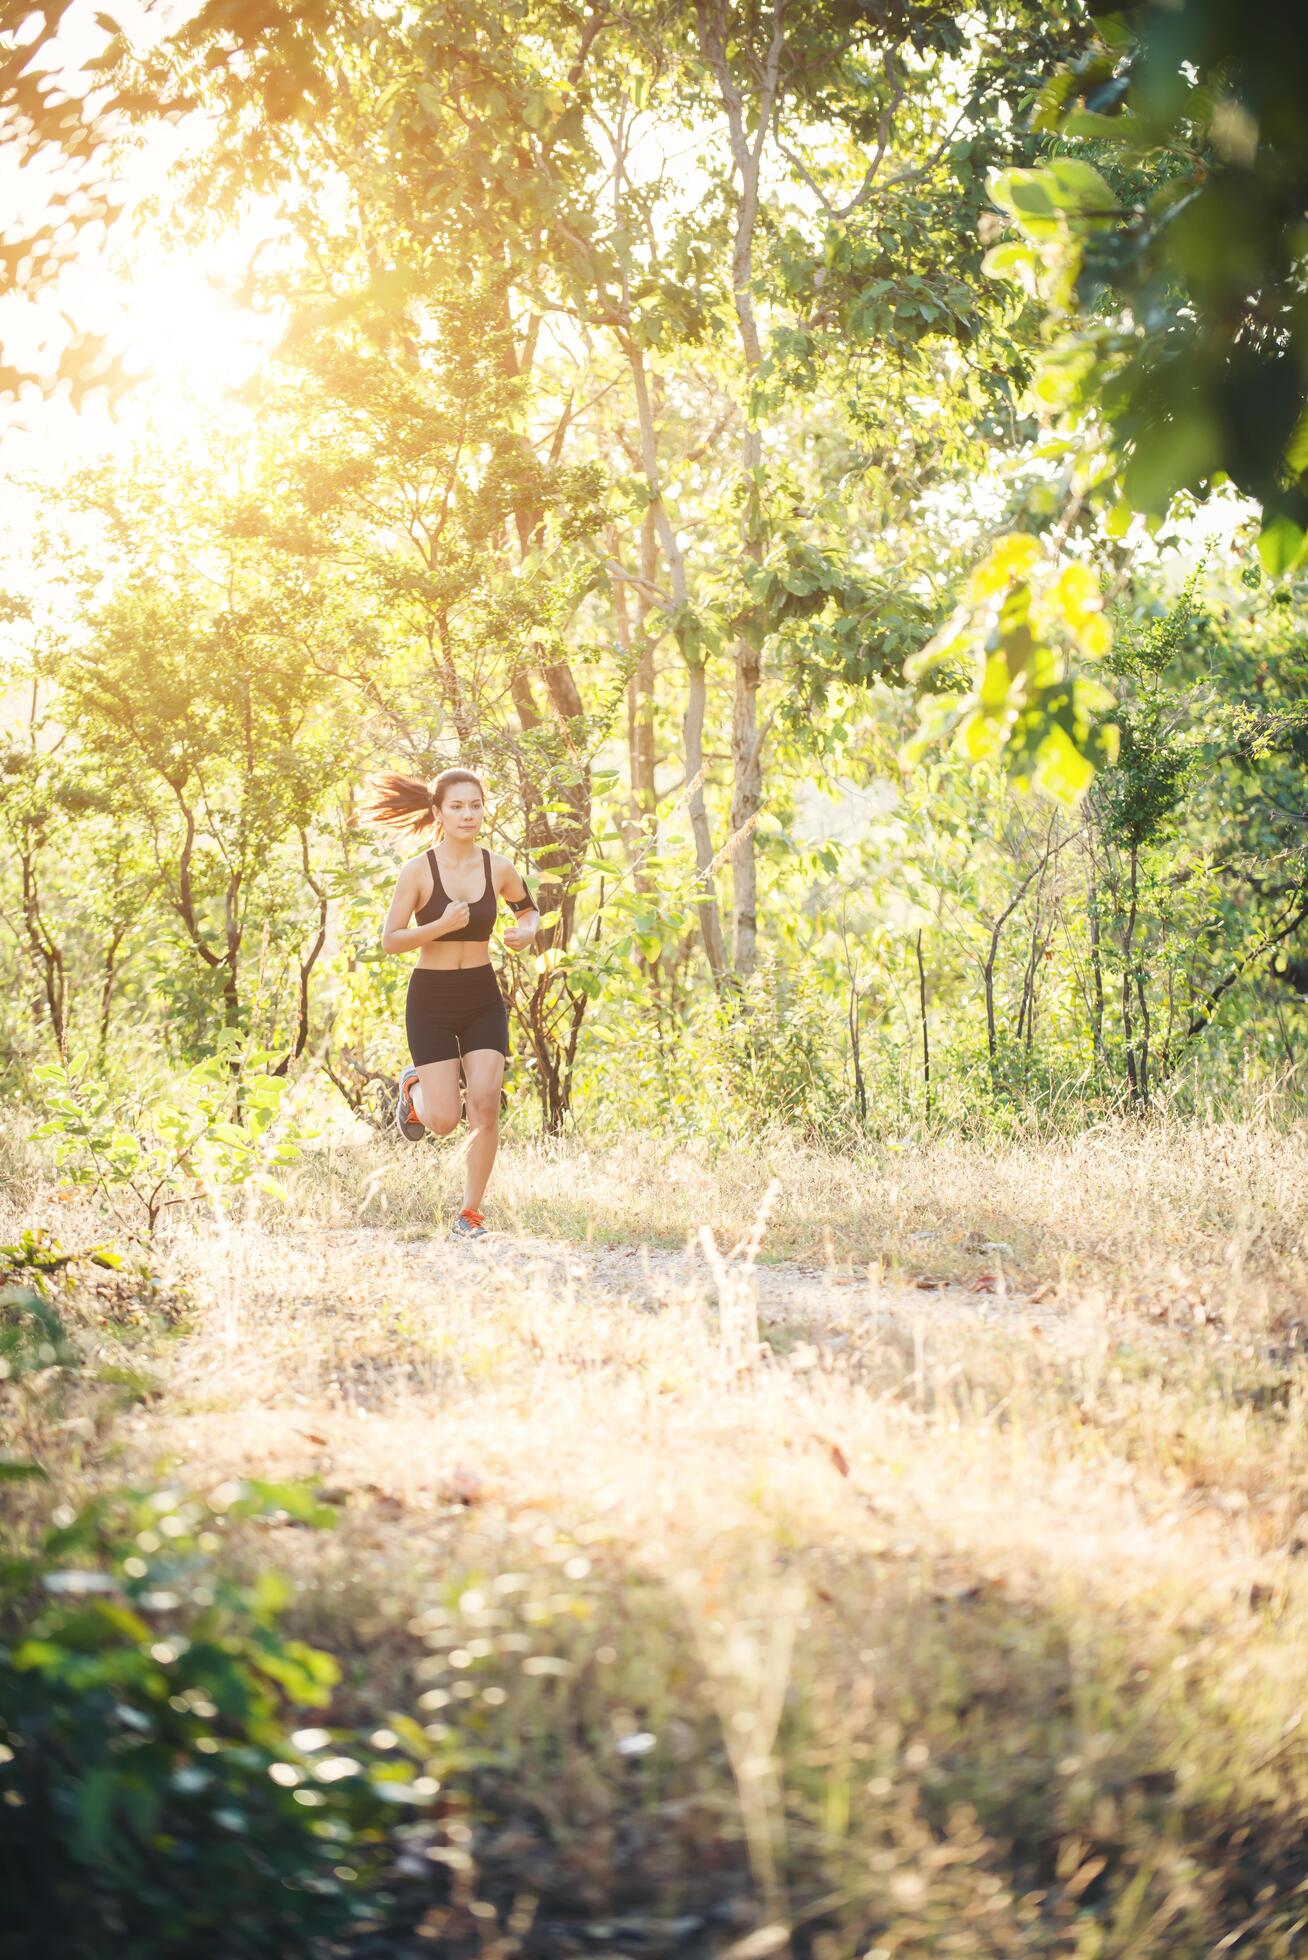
x=500 y=865
x=413 y=867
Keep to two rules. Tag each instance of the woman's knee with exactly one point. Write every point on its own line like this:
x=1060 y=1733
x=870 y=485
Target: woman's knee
x=483 y=1112
x=443 y=1123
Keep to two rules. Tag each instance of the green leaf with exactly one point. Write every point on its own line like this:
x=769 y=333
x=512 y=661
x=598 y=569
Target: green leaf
x=1010 y=260
x=1061 y=770
x=1075 y=185
x=1280 y=546
x=1092 y=123
x=95 y=1806
x=298 y=1502
x=1296 y=450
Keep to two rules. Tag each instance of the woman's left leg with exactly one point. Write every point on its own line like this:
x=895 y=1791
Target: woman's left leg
x=483 y=1070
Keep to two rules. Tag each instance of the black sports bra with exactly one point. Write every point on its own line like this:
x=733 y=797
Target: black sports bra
x=481 y=911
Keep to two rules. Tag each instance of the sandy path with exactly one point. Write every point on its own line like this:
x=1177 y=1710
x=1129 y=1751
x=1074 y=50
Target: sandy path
x=807 y=1296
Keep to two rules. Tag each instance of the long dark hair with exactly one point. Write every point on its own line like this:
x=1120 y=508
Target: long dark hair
x=406 y=803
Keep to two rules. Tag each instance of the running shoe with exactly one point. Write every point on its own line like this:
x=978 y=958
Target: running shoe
x=405 y=1121
x=469 y=1224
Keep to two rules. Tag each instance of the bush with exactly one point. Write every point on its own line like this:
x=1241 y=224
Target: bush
x=777 y=1058
x=151 y=1797
x=162 y=1148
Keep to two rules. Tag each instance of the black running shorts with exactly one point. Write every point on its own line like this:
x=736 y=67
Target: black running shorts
x=448 y=1014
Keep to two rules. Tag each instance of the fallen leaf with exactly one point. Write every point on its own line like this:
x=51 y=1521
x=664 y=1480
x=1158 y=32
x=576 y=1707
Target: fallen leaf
x=1087 y=1874
x=837 y=1455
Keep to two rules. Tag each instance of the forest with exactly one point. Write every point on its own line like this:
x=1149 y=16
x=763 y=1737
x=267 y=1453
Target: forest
x=636 y=415
x=837 y=472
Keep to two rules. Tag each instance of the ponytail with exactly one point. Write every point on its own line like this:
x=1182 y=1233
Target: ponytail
x=405 y=803
x=401 y=803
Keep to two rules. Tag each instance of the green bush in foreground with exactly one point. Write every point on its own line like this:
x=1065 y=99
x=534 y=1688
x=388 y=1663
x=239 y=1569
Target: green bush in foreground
x=151 y=1796
x=162 y=1148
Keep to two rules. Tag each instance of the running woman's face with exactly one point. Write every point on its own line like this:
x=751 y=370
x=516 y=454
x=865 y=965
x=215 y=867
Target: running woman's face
x=462 y=812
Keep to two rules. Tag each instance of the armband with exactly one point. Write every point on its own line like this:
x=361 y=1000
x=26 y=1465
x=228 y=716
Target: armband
x=527 y=904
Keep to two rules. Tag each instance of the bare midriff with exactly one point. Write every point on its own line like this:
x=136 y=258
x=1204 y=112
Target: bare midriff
x=442 y=956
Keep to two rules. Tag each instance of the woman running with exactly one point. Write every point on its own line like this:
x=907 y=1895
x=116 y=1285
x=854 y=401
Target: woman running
x=455 y=1017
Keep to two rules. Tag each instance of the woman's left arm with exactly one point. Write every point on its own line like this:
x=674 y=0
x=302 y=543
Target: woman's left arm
x=521 y=935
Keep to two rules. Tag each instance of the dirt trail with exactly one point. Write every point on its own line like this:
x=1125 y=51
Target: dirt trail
x=361 y=1321
x=808 y=1296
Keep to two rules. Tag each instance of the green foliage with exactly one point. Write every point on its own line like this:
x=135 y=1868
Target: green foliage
x=638 y=488
x=219 y=1131
x=32 y=1335
x=1199 y=861
x=771 y=1057
x=1026 y=703
x=1138 y=800
x=1174 y=294
x=154 y=1793
x=38 y=1258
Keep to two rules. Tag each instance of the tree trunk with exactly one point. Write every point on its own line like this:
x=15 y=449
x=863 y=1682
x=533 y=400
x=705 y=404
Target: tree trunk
x=307 y=964
x=46 y=955
x=706 y=902
x=746 y=801
x=640 y=690
x=748 y=133
x=1128 y=1021
x=926 y=1037
x=107 y=989
x=1096 y=968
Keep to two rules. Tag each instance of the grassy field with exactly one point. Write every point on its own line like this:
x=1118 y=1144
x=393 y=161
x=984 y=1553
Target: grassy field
x=937 y=1585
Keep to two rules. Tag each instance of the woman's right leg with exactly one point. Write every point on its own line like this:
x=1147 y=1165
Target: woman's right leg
x=435 y=1051
x=436 y=1100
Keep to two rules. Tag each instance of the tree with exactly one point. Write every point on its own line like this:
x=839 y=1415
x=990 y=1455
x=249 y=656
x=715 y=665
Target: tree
x=1173 y=286
x=1199 y=871
x=187 y=684
x=828 y=222
x=442 y=561
x=63 y=114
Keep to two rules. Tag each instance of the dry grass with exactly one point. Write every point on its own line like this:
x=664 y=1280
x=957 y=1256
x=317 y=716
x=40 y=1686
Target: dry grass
x=897 y=1634
x=1156 y=1218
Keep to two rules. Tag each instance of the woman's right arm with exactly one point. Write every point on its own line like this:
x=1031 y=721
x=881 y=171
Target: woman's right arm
x=398 y=936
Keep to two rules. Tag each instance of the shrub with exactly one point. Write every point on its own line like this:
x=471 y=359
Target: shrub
x=151 y=1796
x=163 y=1149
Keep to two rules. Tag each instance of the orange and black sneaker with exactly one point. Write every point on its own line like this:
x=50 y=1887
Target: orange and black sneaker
x=406 y=1122
x=469 y=1224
